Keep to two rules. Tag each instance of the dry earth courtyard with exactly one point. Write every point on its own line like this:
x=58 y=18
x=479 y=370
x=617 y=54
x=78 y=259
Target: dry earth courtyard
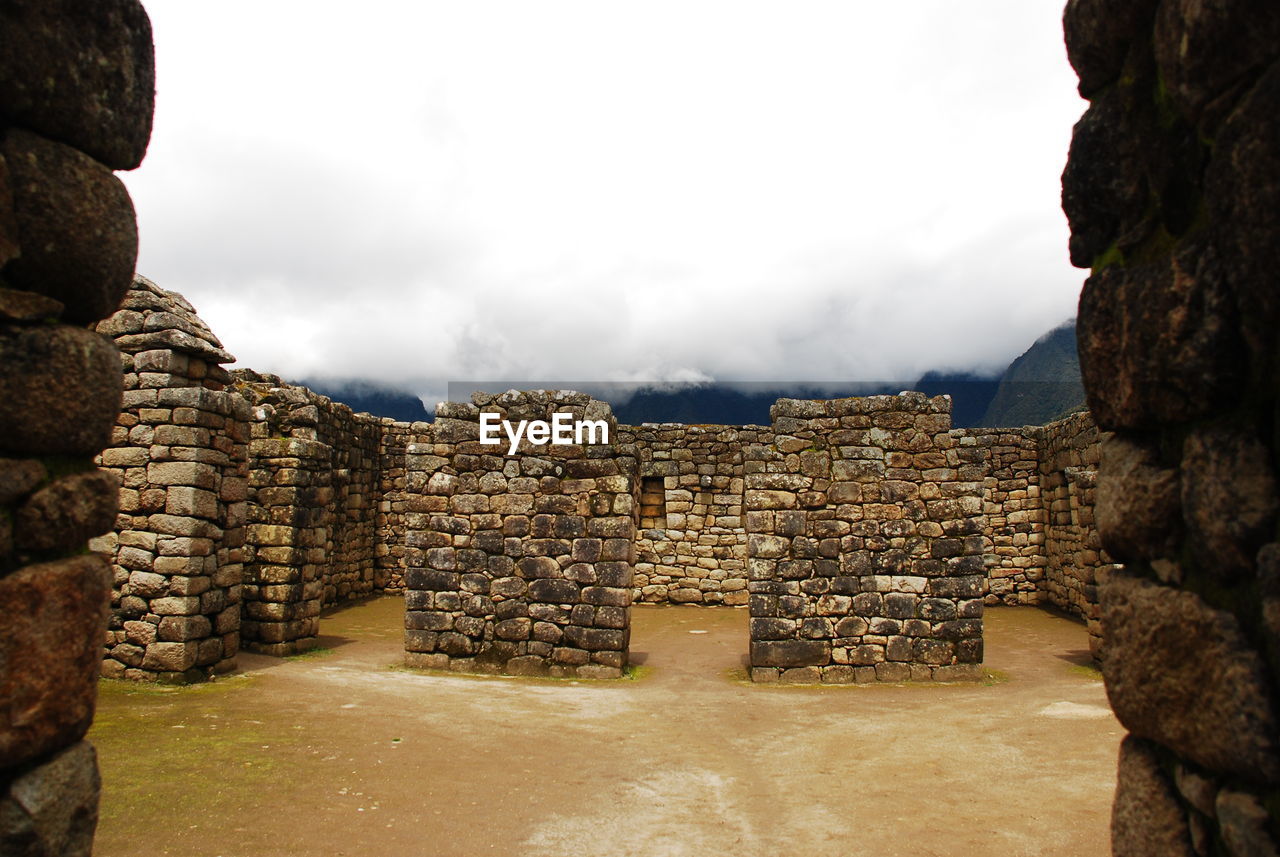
x=343 y=752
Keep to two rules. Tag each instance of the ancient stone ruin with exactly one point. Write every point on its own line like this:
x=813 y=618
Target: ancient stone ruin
x=246 y=505
x=865 y=535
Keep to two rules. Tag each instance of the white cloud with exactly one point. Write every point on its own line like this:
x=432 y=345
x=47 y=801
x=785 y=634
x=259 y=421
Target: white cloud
x=585 y=190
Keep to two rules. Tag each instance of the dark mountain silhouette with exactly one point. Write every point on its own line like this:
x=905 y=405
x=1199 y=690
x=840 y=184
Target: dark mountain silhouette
x=371 y=397
x=1040 y=386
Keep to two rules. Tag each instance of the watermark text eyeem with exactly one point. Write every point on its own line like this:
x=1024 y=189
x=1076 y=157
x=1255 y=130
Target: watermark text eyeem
x=562 y=430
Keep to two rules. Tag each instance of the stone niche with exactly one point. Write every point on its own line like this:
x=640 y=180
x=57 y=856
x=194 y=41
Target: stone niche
x=865 y=543
x=520 y=563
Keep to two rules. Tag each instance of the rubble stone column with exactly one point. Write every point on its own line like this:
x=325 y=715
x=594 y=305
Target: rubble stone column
x=76 y=97
x=1172 y=191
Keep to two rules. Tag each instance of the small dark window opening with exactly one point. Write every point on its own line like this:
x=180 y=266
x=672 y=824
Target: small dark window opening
x=653 y=503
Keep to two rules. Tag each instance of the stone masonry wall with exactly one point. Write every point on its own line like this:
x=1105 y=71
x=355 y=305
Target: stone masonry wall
x=178 y=449
x=522 y=563
x=1043 y=543
x=315 y=496
x=397 y=502
x=1014 y=512
x=1172 y=191
x=332 y=494
x=76 y=98
x=865 y=543
x=1034 y=553
x=695 y=551
x=1075 y=561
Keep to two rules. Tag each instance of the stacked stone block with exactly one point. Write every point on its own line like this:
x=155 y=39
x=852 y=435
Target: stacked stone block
x=1076 y=564
x=696 y=552
x=396 y=501
x=1043 y=542
x=520 y=563
x=315 y=492
x=1014 y=512
x=1172 y=190
x=865 y=543
x=178 y=449
x=76 y=96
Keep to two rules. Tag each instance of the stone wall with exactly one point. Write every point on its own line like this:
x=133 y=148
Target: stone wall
x=1015 y=515
x=76 y=96
x=315 y=496
x=1075 y=563
x=522 y=563
x=1043 y=545
x=692 y=546
x=865 y=545
x=178 y=449
x=322 y=491
x=1172 y=191
x=391 y=553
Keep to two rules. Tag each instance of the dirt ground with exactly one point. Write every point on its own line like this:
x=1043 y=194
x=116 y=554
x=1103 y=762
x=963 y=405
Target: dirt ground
x=344 y=753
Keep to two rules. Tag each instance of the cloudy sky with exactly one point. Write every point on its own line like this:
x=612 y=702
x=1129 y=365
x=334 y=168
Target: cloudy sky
x=422 y=192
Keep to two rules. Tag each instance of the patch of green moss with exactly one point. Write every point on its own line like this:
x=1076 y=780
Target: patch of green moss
x=1086 y=671
x=1157 y=247
x=636 y=672
x=991 y=677
x=472 y=676
x=1113 y=255
x=310 y=654
x=113 y=688
x=156 y=741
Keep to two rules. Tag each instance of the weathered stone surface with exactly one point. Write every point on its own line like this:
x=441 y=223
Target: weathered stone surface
x=1204 y=48
x=1138 y=507
x=1158 y=341
x=1104 y=187
x=1268 y=563
x=82 y=73
x=1228 y=497
x=1098 y=33
x=1181 y=673
x=69 y=511
x=49 y=654
x=789 y=653
x=1241 y=190
x=527 y=561
x=9 y=247
x=76 y=227
x=1245 y=824
x=19 y=477
x=23 y=306
x=1146 y=818
x=159 y=322
x=61 y=387
x=52 y=808
x=1178 y=342
x=170 y=656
